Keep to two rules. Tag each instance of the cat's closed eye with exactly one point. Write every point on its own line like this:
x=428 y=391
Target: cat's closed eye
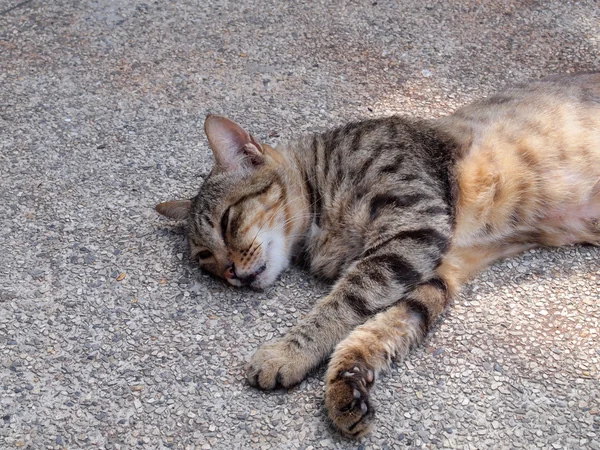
x=204 y=254
x=225 y=223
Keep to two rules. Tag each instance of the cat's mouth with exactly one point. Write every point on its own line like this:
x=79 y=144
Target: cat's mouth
x=251 y=280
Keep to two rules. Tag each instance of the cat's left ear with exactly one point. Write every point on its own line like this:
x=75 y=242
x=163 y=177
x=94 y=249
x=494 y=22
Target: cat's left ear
x=176 y=209
x=233 y=147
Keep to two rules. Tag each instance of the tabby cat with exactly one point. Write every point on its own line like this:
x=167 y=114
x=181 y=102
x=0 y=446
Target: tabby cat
x=399 y=213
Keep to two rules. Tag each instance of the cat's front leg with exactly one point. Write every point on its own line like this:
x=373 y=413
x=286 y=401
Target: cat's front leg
x=286 y=362
x=370 y=347
x=370 y=285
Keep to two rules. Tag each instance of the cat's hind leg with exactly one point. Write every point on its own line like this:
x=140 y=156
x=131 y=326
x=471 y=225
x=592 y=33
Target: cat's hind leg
x=369 y=348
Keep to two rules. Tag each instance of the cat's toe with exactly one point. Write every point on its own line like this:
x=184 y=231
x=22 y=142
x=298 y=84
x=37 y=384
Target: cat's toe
x=276 y=365
x=347 y=401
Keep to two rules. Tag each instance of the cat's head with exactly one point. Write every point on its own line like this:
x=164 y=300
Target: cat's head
x=242 y=222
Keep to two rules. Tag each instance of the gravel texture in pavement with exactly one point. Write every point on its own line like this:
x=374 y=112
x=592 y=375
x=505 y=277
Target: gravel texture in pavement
x=111 y=338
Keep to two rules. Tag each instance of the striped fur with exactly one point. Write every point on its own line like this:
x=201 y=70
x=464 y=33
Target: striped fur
x=398 y=213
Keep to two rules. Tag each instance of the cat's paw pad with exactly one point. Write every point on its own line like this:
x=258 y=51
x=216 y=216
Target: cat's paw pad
x=347 y=400
x=277 y=365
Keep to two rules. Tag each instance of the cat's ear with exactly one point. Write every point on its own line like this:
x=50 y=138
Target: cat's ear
x=176 y=209
x=233 y=147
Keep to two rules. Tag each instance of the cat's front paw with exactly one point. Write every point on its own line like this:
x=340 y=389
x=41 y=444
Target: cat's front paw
x=277 y=364
x=347 y=400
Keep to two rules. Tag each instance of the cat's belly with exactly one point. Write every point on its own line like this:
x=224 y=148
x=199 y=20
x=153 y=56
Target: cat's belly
x=573 y=222
x=538 y=184
x=559 y=212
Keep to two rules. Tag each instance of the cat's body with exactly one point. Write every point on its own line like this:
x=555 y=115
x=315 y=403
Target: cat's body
x=399 y=213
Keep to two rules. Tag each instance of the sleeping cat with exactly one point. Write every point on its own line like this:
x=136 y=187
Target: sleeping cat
x=399 y=213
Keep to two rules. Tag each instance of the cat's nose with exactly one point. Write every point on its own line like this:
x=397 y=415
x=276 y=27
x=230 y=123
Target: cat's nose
x=230 y=272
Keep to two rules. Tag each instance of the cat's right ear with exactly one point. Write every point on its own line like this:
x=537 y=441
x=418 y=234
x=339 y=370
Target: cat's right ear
x=176 y=209
x=233 y=147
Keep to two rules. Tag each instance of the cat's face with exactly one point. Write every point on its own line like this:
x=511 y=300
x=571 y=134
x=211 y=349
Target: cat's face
x=239 y=223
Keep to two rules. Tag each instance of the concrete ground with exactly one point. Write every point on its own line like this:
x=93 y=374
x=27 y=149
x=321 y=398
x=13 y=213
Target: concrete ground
x=110 y=338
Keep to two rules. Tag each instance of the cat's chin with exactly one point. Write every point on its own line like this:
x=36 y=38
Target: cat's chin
x=234 y=282
x=264 y=280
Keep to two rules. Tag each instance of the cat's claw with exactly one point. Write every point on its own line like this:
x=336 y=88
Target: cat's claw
x=276 y=365
x=347 y=400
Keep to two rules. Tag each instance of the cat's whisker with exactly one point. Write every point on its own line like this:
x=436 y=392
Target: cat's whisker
x=292 y=219
x=278 y=210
